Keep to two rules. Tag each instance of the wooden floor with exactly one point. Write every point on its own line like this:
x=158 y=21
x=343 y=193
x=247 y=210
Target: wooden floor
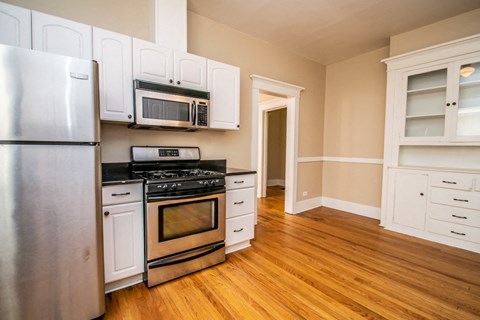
x=321 y=264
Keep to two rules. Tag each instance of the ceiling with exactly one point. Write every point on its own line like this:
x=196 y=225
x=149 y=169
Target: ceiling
x=328 y=31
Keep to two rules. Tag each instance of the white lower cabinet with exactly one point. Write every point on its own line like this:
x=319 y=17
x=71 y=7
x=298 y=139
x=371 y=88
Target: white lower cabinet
x=438 y=206
x=241 y=211
x=123 y=235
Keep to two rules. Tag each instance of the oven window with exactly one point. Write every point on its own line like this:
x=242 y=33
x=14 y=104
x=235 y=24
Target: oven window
x=180 y=220
x=165 y=110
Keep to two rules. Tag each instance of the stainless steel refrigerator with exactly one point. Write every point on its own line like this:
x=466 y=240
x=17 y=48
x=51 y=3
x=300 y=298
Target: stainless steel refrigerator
x=51 y=252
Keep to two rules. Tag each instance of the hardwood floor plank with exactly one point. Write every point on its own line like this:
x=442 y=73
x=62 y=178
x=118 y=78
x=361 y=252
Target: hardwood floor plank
x=321 y=264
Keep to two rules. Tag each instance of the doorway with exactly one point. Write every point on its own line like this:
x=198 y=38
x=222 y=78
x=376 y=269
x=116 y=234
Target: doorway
x=291 y=95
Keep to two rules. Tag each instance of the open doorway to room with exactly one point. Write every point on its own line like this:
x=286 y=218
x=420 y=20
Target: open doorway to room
x=272 y=145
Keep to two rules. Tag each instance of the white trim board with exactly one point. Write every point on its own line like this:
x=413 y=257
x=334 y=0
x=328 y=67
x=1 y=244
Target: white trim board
x=352 y=207
x=276 y=182
x=340 y=159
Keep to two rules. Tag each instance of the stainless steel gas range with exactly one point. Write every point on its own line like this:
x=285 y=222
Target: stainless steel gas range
x=184 y=211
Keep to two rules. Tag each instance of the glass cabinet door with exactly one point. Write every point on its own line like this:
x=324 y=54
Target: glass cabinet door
x=425 y=104
x=468 y=113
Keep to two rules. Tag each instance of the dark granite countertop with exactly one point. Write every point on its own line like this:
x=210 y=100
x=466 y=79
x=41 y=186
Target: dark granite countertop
x=118 y=173
x=236 y=171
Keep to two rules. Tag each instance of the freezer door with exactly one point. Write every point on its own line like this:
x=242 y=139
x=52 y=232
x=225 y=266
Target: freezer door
x=51 y=251
x=46 y=97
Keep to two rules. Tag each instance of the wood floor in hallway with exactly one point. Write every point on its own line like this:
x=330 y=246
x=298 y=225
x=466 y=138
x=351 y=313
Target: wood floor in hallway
x=321 y=264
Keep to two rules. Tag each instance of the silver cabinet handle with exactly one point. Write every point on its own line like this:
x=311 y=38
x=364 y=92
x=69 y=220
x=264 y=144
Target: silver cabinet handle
x=460 y=200
x=241 y=229
x=239 y=202
x=448 y=182
x=458 y=233
x=120 y=194
x=239 y=181
x=458 y=217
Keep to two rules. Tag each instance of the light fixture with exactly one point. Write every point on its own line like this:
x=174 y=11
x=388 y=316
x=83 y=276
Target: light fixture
x=466 y=70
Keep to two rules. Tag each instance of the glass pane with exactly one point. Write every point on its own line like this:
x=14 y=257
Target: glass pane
x=426 y=99
x=185 y=219
x=425 y=127
x=468 y=117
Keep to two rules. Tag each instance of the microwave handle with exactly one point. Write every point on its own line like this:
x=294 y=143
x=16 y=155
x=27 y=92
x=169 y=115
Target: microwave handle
x=194 y=112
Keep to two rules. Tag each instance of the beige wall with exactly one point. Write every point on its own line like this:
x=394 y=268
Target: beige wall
x=131 y=17
x=456 y=27
x=354 y=126
x=277 y=129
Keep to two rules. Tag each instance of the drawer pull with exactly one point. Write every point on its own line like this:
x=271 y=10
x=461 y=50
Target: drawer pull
x=459 y=217
x=120 y=194
x=241 y=229
x=449 y=182
x=106 y=213
x=460 y=200
x=241 y=181
x=458 y=233
x=239 y=202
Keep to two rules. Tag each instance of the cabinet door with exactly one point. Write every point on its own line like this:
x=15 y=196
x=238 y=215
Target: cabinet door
x=61 y=36
x=113 y=52
x=190 y=71
x=424 y=104
x=123 y=241
x=410 y=200
x=224 y=87
x=15 y=23
x=466 y=126
x=152 y=62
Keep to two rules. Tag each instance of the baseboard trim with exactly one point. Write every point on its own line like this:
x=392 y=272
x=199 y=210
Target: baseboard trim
x=301 y=206
x=352 y=207
x=276 y=182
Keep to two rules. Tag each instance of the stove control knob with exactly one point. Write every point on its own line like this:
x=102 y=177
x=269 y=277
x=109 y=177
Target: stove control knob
x=162 y=187
x=173 y=186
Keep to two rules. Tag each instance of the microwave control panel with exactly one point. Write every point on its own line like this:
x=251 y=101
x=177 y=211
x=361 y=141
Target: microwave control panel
x=202 y=114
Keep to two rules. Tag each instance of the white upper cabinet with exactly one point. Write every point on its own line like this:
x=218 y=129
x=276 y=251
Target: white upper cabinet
x=190 y=71
x=224 y=87
x=160 y=64
x=442 y=103
x=152 y=62
x=113 y=52
x=15 y=26
x=61 y=36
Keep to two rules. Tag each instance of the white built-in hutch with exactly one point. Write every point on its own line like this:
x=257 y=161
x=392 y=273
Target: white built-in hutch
x=431 y=175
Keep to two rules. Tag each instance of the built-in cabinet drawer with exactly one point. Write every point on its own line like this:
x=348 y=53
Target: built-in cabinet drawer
x=241 y=211
x=457 y=198
x=455 y=230
x=460 y=182
x=121 y=193
x=456 y=215
x=240 y=181
x=240 y=202
x=239 y=229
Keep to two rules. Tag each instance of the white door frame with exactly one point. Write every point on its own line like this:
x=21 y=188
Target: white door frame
x=292 y=92
x=263 y=109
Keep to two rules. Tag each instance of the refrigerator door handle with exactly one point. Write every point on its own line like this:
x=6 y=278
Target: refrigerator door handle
x=79 y=76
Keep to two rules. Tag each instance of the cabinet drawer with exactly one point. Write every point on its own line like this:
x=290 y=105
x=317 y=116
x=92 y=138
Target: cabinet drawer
x=239 y=229
x=457 y=198
x=122 y=193
x=455 y=230
x=453 y=214
x=240 y=202
x=460 y=182
x=240 y=181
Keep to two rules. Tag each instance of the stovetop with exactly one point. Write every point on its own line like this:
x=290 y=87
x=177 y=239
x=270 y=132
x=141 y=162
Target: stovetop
x=178 y=175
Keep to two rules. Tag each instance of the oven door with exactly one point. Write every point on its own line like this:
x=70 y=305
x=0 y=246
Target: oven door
x=178 y=225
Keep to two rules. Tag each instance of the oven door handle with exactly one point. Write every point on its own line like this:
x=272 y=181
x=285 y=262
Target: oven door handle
x=185 y=196
x=178 y=258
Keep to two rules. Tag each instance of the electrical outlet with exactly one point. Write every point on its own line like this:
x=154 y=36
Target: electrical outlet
x=305 y=193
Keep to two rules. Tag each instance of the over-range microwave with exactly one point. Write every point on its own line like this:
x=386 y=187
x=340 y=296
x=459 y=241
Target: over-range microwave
x=163 y=107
